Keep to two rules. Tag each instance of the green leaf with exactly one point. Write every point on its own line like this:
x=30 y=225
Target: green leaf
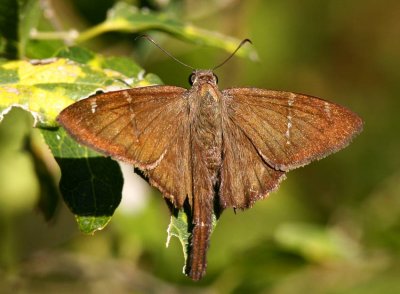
x=45 y=87
x=90 y=224
x=91 y=184
x=127 y=18
x=179 y=227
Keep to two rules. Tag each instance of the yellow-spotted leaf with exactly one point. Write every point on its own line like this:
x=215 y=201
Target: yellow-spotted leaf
x=45 y=87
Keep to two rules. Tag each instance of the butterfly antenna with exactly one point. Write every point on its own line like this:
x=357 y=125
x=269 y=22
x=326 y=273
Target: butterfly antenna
x=233 y=53
x=165 y=51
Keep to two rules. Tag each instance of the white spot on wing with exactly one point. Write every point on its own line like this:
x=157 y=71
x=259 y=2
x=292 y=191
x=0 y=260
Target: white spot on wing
x=127 y=96
x=327 y=109
x=289 y=126
x=291 y=99
x=289 y=118
x=93 y=105
x=132 y=114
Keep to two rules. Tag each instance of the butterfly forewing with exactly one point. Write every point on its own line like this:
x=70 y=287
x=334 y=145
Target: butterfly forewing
x=135 y=125
x=290 y=130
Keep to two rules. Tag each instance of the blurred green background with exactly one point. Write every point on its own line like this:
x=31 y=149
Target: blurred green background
x=333 y=226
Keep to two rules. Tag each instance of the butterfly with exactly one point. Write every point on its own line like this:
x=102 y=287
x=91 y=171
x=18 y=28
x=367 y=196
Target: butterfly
x=210 y=149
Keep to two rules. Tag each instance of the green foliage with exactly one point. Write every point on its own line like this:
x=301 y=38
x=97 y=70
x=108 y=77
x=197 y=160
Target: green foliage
x=127 y=18
x=178 y=227
x=90 y=184
x=91 y=224
x=46 y=89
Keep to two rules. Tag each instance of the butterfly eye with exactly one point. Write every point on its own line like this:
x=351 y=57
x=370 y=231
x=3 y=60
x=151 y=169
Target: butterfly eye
x=191 y=79
x=216 y=78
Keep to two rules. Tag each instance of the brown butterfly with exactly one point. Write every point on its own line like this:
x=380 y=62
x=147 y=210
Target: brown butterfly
x=208 y=148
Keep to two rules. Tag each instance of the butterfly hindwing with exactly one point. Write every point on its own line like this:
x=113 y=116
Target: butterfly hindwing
x=173 y=175
x=245 y=176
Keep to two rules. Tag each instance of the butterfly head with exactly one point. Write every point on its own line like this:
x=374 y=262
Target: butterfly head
x=203 y=76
